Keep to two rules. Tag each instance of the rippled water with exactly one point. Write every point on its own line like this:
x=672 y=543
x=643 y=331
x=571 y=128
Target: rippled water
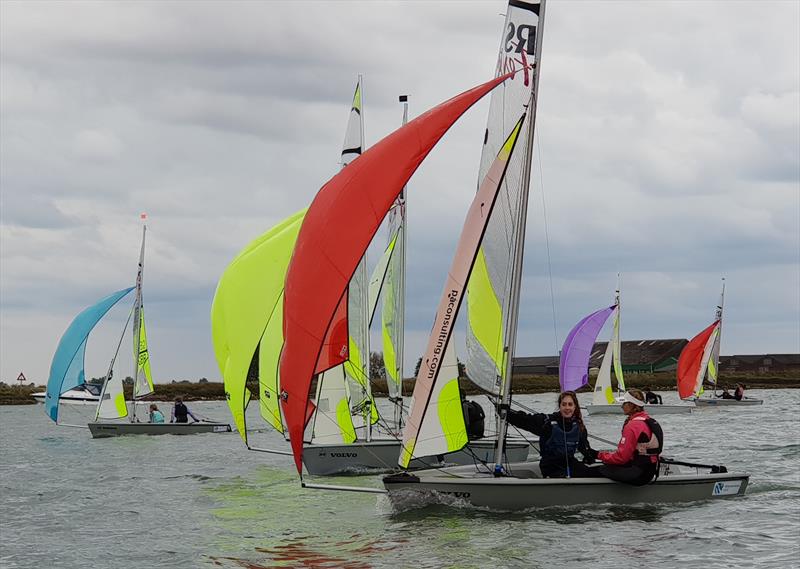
x=204 y=501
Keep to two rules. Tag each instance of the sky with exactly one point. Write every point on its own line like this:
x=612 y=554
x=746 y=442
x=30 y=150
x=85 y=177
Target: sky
x=667 y=150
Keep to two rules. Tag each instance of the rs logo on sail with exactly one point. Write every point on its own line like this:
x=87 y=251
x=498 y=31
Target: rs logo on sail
x=521 y=37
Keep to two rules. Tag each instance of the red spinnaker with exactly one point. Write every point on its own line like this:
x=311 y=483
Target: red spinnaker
x=690 y=360
x=338 y=227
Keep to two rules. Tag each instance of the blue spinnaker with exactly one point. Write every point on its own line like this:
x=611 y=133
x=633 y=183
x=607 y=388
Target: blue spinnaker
x=66 y=369
x=573 y=367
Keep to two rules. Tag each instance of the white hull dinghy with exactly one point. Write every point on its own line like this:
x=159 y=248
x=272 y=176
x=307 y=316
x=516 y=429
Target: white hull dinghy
x=381 y=456
x=67 y=374
x=527 y=489
x=101 y=430
x=699 y=362
x=651 y=409
x=709 y=402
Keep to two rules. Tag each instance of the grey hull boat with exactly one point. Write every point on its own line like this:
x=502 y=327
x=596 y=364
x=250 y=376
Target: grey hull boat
x=381 y=456
x=100 y=429
x=651 y=409
x=527 y=489
x=709 y=402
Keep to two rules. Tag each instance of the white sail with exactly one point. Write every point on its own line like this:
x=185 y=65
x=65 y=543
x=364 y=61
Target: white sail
x=489 y=293
x=112 y=400
x=603 y=392
x=713 y=361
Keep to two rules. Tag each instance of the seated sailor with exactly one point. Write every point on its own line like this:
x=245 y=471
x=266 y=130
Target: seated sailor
x=561 y=434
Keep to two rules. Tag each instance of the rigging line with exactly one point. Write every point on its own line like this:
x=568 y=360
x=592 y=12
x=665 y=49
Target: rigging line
x=547 y=241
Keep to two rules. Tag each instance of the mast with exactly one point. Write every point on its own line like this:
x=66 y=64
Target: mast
x=519 y=247
x=617 y=341
x=137 y=324
x=401 y=289
x=365 y=304
x=718 y=341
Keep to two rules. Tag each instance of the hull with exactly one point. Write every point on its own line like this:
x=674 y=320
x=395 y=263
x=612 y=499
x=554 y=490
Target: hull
x=102 y=430
x=381 y=456
x=526 y=489
x=71 y=398
x=709 y=402
x=651 y=409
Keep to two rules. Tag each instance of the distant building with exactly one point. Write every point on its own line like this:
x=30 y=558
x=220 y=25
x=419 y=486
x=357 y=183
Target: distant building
x=650 y=356
x=536 y=365
x=764 y=363
x=646 y=356
x=637 y=356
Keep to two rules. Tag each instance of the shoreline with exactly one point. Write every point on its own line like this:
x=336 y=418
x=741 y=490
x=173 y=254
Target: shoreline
x=214 y=391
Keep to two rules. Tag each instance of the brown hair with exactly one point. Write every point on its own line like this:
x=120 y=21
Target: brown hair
x=638 y=394
x=577 y=416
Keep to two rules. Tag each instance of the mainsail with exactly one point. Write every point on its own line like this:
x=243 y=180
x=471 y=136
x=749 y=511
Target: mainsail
x=393 y=313
x=142 y=380
x=336 y=232
x=67 y=366
x=489 y=295
x=436 y=421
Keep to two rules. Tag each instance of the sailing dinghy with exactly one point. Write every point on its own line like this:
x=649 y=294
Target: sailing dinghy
x=247 y=319
x=699 y=361
x=574 y=365
x=505 y=485
x=67 y=372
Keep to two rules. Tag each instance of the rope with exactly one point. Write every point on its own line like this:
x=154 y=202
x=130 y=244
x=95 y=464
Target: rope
x=547 y=241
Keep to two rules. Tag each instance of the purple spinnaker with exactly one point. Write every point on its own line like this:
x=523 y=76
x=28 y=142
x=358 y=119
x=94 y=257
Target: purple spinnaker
x=573 y=366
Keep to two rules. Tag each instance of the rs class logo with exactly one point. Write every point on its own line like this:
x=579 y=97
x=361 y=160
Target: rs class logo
x=521 y=37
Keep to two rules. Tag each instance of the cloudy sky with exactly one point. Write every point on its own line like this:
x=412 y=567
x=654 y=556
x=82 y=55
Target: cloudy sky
x=668 y=150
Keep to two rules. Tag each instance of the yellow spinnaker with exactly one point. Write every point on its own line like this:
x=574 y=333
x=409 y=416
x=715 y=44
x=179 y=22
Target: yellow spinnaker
x=246 y=300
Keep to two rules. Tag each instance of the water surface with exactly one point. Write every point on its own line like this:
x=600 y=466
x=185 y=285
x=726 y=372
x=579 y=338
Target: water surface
x=69 y=501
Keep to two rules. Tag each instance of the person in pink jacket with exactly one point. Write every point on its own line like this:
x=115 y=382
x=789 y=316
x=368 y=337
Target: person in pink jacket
x=636 y=459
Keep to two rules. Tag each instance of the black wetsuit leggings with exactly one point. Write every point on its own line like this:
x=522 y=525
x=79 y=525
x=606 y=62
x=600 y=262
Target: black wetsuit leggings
x=634 y=474
x=576 y=469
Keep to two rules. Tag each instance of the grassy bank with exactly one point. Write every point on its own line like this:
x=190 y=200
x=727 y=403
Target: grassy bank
x=15 y=395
